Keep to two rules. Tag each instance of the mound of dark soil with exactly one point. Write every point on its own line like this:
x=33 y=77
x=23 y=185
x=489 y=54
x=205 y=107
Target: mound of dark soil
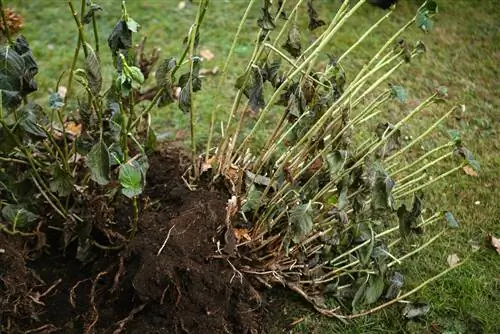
x=183 y=288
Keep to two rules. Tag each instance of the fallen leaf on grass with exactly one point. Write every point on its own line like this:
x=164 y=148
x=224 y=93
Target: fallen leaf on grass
x=209 y=71
x=495 y=242
x=207 y=54
x=470 y=171
x=453 y=260
x=413 y=310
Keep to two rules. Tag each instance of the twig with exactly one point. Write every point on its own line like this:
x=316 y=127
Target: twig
x=165 y=242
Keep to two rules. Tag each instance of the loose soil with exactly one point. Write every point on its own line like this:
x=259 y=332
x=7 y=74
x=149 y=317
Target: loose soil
x=188 y=287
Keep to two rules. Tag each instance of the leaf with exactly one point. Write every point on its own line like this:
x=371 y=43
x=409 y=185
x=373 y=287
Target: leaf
x=408 y=219
x=470 y=171
x=450 y=219
x=359 y=296
x=392 y=143
x=494 y=242
x=130 y=177
x=120 y=38
x=252 y=200
x=135 y=75
x=452 y=260
x=72 y=128
x=62 y=183
x=97 y=161
x=185 y=99
x=301 y=221
x=382 y=199
x=164 y=80
x=132 y=25
x=56 y=101
x=396 y=283
x=374 y=290
x=254 y=91
x=314 y=22
x=336 y=162
x=90 y=13
x=422 y=18
x=93 y=71
x=266 y=21
x=398 y=93
x=18 y=216
x=17 y=71
x=150 y=140
x=414 y=310
x=29 y=117
x=293 y=44
x=469 y=157
x=207 y=54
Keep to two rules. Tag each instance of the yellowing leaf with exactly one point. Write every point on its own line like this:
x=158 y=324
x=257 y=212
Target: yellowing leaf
x=241 y=233
x=207 y=54
x=495 y=242
x=470 y=171
x=453 y=260
x=73 y=128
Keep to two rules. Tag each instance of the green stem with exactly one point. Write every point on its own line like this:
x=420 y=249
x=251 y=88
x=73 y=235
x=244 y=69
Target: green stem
x=425 y=185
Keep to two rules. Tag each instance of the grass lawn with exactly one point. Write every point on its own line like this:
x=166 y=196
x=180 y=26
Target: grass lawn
x=462 y=54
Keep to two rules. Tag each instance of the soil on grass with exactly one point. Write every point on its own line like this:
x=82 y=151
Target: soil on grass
x=166 y=280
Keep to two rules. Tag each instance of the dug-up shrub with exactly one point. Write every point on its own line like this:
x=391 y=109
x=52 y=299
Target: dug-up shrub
x=320 y=207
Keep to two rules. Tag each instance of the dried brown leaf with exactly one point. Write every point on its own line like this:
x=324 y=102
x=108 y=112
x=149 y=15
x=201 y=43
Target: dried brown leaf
x=453 y=260
x=470 y=171
x=207 y=54
x=495 y=242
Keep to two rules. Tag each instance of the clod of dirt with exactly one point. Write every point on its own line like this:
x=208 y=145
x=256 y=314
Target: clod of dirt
x=169 y=279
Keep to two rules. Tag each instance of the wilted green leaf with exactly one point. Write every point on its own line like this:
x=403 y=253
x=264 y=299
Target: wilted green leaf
x=293 y=44
x=132 y=25
x=396 y=283
x=130 y=177
x=392 y=143
x=56 y=101
x=422 y=18
x=382 y=199
x=93 y=71
x=266 y=21
x=18 y=216
x=98 y=163
x=93 y=8
x=414 y=310
x=359 y=295
x=314 y=22
x=185 y=99
x=398 y=93
x=164 y=81
x=374 y=290
x=17 y=71
x=301 y=221
x=252 y=202
x=336 y=161
x=469 y=157
x=62 y=182
x=450 y=219
x=408 y=219
x=30 y=116
x=120 y=38
x=150 y=140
